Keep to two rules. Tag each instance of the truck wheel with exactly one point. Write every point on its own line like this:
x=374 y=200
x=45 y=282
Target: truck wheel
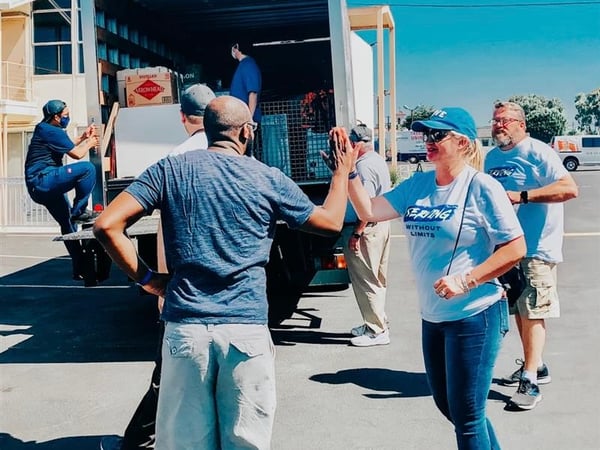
x=413 y=160
x=571 y=164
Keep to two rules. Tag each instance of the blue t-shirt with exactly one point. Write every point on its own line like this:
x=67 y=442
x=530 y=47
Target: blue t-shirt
x=219 y=214
x=529 y=165
x=247 y=79
x=47 y=149
x=432 y=216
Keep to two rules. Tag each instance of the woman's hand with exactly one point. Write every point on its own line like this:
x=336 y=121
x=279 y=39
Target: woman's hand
x=453 y=285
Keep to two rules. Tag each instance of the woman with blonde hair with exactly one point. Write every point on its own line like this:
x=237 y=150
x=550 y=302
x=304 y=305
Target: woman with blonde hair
x=462 y=233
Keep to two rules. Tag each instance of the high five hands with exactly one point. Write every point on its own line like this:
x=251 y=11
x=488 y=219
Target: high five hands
x=342 y=155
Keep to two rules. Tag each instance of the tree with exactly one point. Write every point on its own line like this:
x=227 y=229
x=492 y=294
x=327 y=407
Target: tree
x=588 y=111
x=421 y=112
x=545 y=117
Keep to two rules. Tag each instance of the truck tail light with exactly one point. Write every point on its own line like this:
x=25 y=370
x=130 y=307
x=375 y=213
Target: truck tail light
x=98 y=207
x=333 y=262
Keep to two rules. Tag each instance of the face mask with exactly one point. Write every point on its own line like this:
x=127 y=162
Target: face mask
x=64 y=121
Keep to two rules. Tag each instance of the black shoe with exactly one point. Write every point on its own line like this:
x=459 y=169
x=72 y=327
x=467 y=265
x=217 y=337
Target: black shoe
x=543 y=375
x=85 y=216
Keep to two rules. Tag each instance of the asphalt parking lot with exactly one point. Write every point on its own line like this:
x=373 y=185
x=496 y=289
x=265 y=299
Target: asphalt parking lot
x=75 y=361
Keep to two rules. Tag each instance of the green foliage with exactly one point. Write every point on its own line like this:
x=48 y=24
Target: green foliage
x=394 y=177
x=421 y=112
x=588 y=111
x=545 y=117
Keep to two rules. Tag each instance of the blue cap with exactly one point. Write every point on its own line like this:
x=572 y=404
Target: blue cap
x=53 y=107
x=455 y=119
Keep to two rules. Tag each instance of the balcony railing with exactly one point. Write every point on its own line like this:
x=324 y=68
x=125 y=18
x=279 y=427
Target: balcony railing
x=16 y=82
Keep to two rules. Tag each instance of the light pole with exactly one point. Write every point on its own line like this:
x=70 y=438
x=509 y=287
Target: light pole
x=408 y=108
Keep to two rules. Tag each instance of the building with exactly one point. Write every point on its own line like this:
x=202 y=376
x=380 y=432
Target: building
x=41 y=54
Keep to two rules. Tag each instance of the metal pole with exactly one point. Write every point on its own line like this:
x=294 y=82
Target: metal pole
x=92 y=93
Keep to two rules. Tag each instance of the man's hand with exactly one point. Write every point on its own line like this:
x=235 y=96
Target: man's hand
x=354 y=243
x=342 y=156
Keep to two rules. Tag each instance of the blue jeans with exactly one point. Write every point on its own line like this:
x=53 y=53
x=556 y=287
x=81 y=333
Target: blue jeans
x=50 y=189
x=459 y=360
x=217 y=388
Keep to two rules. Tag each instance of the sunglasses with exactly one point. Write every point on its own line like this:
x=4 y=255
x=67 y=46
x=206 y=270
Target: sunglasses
x=435 y=135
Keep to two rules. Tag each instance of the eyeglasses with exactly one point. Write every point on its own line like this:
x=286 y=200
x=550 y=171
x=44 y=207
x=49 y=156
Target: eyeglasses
x=253 y=125
x=435 y=135
x=503 y=122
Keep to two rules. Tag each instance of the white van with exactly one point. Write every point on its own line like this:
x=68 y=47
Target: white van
x=575 y=151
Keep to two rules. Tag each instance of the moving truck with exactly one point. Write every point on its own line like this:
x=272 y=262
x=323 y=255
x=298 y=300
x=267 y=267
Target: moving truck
x=310 y=59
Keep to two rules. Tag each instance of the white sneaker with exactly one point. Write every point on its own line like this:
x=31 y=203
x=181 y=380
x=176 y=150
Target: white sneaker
x=370 y=339
x=359 y=330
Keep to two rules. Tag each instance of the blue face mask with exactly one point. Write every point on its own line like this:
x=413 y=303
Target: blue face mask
x=64 y=121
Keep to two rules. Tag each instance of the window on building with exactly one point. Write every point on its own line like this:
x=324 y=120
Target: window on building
x=52 y=38
x=100 y=19
x=134 y=36
x=102 y=51
x=124 y=60
x=124 y=30
x=111 y=25
x=113 y=55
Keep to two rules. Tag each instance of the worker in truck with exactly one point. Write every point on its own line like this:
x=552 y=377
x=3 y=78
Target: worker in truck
x=48 y=181
x=141 y=430
x=246 y=84
x=219 y=212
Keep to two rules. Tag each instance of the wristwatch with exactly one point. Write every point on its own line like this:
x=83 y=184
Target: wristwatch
x=524 y=197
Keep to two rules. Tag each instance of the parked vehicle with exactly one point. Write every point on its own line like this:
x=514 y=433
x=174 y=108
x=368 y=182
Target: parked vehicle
x=575 y=151
x=308 y=70
x=410 y=146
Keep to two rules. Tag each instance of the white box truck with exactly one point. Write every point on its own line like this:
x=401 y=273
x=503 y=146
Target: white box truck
x=303 y=48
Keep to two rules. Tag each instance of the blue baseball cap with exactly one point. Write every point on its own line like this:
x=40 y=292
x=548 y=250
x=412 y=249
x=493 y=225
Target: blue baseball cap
x=455 y=119
x=53 y=107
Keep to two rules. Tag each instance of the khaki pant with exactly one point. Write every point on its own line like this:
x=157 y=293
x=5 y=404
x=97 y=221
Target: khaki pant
x=368 y=273
x=539 y=300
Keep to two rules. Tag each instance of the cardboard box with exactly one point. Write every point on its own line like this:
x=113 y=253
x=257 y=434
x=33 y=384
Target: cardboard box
x=150 y=89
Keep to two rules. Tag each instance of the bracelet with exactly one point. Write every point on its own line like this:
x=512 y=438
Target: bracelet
x=146 y=279
x=352 y=175
x=357 y=235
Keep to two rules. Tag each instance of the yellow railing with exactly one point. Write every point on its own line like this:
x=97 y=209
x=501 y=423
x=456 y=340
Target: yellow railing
x=16 y=82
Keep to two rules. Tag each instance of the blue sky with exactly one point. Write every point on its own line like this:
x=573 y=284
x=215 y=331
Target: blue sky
x=471 y=56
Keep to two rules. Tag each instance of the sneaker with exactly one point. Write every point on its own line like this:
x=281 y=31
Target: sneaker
x=527 y=396
x=543 y=375
x=85 y=216
x=111 y=443
x=369 y=339
x=359 y=330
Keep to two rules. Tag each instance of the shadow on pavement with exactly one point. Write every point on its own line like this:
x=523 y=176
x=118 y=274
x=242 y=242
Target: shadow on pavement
x=49 y=318
x=396 y=383
x=8 y=442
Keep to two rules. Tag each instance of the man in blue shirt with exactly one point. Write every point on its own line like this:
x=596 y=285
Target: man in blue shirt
x=48 y=180
x=246 y=83
x=219 y=213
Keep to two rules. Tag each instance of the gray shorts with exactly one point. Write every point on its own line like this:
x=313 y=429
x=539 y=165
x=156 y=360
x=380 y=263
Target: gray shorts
x=539 y=300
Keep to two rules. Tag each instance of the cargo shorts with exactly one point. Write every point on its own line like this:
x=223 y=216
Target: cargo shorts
x=539 y=299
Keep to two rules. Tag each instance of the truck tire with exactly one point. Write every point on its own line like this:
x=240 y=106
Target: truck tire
x=571 y=163
x=413 y=160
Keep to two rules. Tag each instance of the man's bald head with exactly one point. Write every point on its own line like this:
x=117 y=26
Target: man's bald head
x=224 y=117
